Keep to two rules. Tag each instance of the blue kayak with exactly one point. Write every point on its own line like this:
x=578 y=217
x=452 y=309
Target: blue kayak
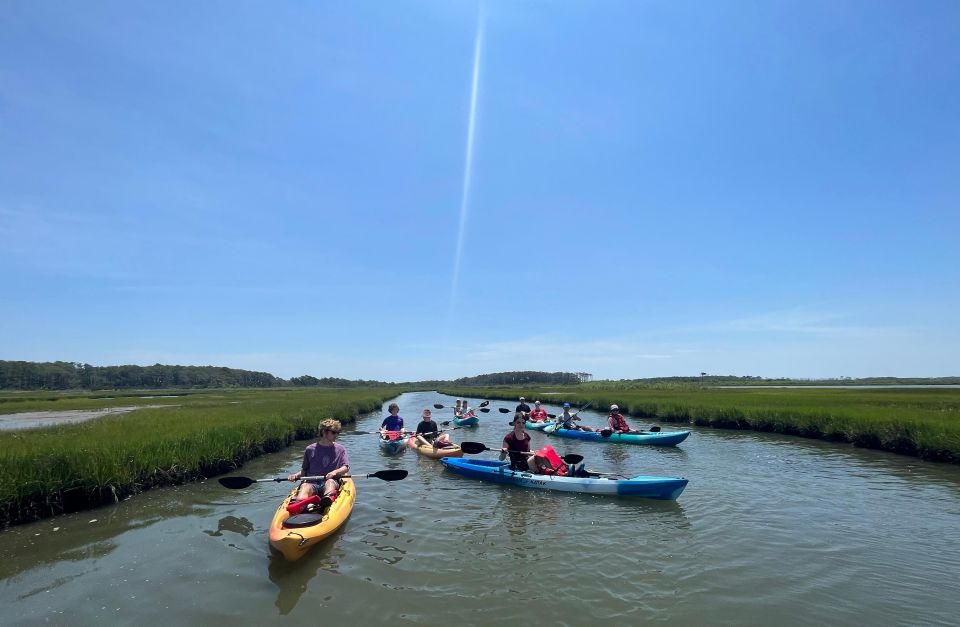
x=652 y=438
x=665 y=488
x=472 y=421
x=392 y=447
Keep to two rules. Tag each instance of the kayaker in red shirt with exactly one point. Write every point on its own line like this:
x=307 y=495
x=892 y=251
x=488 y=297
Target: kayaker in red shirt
x=517 y=445
x=617 y=422
x=538 y=414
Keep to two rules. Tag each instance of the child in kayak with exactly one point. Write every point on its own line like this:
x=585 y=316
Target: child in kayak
x=327 y=459
x=457 y=410
x=428 y=433
x=393 y=422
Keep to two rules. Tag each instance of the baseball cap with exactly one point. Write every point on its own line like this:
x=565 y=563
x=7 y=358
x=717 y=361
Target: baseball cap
x=566 y=405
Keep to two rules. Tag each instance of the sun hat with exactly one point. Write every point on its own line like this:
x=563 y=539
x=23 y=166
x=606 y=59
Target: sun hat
x=426 y=412
x=614 y=408
x=522 y=399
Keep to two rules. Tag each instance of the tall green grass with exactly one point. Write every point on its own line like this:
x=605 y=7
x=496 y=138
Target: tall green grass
x=924 y=422
x=51 y=470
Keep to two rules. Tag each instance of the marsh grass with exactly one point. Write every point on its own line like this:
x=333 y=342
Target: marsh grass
x=65 y=468
x=924 y=422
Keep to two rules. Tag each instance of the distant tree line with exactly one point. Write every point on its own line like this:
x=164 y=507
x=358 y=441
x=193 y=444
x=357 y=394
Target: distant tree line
x=335 y=382
x=525 y=377
x=64 y=375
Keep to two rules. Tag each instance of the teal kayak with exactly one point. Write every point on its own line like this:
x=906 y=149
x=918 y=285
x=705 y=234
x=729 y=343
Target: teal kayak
x=538 y=426
x=664 y=488
x=471 y=421
x=652 y=438
x=394 y=445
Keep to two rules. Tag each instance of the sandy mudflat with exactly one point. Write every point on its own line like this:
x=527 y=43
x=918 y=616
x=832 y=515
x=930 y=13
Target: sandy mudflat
x=32 y=419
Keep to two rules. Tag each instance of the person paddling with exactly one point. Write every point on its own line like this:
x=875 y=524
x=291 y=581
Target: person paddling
x=566 y=420
x=617 y=422
x=458 y=409
x=523 y=406
x=428 y=433
x=538 y=414
x=393 y=422
x=517 y=445
x=325 y=458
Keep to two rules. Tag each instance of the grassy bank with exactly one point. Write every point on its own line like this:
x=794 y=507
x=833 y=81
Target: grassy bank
x=52 y=470
x=924 y=422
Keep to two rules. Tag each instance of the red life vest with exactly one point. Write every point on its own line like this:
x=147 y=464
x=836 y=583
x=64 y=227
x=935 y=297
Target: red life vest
x=557 y=465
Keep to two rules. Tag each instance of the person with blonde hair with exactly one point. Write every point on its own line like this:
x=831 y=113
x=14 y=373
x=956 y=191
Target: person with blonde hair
x=325 y=459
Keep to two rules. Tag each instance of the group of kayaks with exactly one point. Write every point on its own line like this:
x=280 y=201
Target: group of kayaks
x=294 y=531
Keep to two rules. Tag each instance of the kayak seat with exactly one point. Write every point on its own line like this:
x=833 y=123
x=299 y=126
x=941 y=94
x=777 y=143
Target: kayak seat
x=302 y=520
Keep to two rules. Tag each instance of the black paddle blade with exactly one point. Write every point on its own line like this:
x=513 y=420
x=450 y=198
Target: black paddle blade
x=551 y=416
x=504 y=410
x=437 y=406
x=389 y=475
x=572 y=458
x=484 y=403
x=236 y=483
x=472 y=448
x=485 y=410
x=606 y=432
x=654 y=429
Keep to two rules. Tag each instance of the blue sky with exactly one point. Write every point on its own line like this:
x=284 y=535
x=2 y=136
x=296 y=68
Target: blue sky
x=656 y=187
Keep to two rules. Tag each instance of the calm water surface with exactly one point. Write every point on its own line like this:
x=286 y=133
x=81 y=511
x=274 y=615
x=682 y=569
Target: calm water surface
x=771 y=530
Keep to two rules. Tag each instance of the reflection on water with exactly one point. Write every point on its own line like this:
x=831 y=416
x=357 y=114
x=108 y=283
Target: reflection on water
x=383 y=537
x=292 y=578
x=241 y=526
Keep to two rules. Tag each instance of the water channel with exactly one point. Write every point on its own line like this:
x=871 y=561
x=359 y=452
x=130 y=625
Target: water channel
x=771 y=530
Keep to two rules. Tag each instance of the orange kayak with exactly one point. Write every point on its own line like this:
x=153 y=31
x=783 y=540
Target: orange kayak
x=435 y=453
x=295 y=535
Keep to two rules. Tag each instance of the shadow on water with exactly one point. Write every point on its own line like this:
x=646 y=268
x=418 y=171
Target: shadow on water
x=292 y=578
x=240 y=526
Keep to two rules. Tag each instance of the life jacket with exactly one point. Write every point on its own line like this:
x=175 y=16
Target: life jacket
x=298 y=507
x=557 y=466
x=538 y=414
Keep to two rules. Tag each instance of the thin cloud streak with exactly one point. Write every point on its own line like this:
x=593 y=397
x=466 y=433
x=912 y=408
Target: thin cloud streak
x=468 y=166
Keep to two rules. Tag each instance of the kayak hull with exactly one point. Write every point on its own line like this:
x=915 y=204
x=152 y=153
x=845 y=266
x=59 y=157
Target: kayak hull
x=295 y=543
x=659 y=438
x=472 y=421
x=392 y=447
x=663 y=488
x=537 y=426
x=429 y=451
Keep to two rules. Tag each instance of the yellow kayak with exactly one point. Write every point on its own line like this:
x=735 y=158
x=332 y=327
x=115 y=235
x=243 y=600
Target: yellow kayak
x=429 y=451
x=295 y=535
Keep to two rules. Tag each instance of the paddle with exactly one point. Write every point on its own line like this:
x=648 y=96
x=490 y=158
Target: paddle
x=473 y=448
x=237 y=483
x=483 y=404
x=504 y=410
x=442 y=424
x=485 y=410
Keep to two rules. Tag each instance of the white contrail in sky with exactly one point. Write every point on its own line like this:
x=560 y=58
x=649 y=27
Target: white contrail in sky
x=468 y=166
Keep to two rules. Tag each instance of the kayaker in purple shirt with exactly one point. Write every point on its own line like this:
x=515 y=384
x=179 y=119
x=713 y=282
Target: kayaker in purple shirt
x=325 y=458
